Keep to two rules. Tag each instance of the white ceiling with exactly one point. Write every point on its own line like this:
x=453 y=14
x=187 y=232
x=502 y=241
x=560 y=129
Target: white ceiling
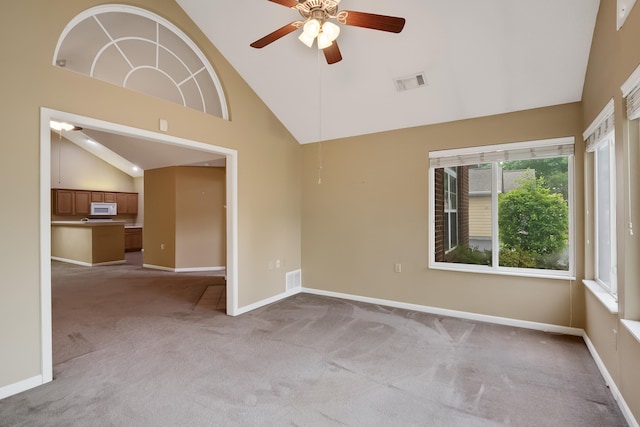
x=133 y=155
x=480 y=57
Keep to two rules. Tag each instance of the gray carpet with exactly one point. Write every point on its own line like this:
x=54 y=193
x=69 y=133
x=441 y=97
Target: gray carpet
x=135 y=348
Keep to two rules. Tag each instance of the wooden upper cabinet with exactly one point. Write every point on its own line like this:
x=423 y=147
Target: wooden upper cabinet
x=82 y=202
x=78 y=202
x=132 y=203
x=62 y=201
x=127 y=203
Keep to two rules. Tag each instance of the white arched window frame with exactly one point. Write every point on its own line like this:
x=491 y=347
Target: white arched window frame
x=189 y=86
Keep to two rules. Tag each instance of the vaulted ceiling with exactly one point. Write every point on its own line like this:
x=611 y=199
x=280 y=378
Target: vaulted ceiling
x=479 y=58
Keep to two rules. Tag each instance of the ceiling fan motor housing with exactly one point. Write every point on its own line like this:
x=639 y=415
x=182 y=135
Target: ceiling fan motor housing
x=318 y=9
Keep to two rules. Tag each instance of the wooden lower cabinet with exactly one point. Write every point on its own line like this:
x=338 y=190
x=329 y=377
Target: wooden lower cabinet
x=132 y=239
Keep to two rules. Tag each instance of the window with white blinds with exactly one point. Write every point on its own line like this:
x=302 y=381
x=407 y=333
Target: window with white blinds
x=631 y=92
x=504 y=152
x=601 y=128
x=503 y=209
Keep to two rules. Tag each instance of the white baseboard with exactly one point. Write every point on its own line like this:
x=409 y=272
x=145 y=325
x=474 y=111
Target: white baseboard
x=20 y=386
x=545 y=327
x=87 y=264
x=271 y=300
x=183 y=270
x=626 y=411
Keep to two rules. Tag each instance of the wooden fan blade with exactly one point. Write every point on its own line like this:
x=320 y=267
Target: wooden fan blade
x=287 y=3
x=280 y=32
x=392 y=24
x=332 y=53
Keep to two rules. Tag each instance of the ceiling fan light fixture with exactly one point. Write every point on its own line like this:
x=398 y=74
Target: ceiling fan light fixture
x=312 y=28
x=331 y=30
x=324 y=41
x=306 y=39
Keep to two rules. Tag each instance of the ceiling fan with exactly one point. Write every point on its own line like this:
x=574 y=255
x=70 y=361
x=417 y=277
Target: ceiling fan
x=317 y=23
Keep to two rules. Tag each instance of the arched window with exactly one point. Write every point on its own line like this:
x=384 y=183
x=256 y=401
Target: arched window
x=138 y=50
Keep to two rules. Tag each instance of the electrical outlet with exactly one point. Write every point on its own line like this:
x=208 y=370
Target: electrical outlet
x=397 y=268
x=162 y=246
x=270 y=265
x=278 y=264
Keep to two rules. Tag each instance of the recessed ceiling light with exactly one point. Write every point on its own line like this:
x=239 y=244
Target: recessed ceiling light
x=61 y=126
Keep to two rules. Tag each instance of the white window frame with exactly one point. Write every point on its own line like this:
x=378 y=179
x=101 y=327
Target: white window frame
x=602 y=131
x=450 y=172
x=612 y=286
x=486 y=154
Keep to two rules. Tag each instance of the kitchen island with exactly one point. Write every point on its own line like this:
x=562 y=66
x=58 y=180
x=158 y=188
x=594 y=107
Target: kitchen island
x=88 y=243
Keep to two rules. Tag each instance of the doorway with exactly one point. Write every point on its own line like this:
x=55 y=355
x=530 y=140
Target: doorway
x=231 y=160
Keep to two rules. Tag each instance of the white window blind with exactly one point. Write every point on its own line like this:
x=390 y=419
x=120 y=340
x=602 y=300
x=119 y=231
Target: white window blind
x=497 y=153
x=633 y=104
x=631 y=92
x=600 y=128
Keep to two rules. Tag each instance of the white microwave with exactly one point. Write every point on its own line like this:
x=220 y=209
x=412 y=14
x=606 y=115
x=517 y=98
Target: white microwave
x=100 y=208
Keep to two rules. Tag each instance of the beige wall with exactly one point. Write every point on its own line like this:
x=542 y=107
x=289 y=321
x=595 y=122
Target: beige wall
x=371 y=211
x=268 y=162
x=186 y=208
x=159 y=235
x=200 y=217
x=75 y=168
x=614 y=56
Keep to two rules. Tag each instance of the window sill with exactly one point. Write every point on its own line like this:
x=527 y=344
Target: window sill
x=633 y=326
x=602 y=295
x=470 y=268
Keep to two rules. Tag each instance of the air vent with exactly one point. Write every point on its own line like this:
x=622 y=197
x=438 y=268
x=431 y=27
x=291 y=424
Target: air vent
x=294 y=279
x=411 y=82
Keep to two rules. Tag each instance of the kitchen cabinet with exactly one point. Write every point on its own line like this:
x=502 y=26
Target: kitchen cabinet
x=62 y=201
x=82 y=202
x=70 y=202
x=88 y=243
x=127 y=203
x=132 y=239
x=78 y=202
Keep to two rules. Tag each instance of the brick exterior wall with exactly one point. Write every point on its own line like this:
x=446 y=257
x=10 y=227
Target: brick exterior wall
x=439 y=213
x=463 y=210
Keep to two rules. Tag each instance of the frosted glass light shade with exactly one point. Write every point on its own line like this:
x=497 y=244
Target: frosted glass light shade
x=312 y=27
x=324 y=41
x=306 y=39
x=331 y=30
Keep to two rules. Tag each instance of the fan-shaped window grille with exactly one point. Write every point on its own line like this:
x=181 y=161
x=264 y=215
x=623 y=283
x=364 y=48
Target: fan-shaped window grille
x=139 y=50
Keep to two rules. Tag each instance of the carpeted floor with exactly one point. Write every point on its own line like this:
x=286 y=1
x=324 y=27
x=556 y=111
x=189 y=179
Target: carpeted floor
x=134 y=347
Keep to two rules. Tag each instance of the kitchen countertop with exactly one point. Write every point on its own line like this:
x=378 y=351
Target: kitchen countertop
x=88 y=223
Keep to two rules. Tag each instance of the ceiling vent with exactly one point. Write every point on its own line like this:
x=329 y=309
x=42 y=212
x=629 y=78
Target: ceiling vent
x=411 y=82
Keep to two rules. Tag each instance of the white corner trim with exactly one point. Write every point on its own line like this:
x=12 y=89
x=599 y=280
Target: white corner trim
x=247 y=308
x=607 y=300
x=633 y=326
x=606 y=112
x=545 y=327
x=624 y=408
x=20 y=386
x=632 y=83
